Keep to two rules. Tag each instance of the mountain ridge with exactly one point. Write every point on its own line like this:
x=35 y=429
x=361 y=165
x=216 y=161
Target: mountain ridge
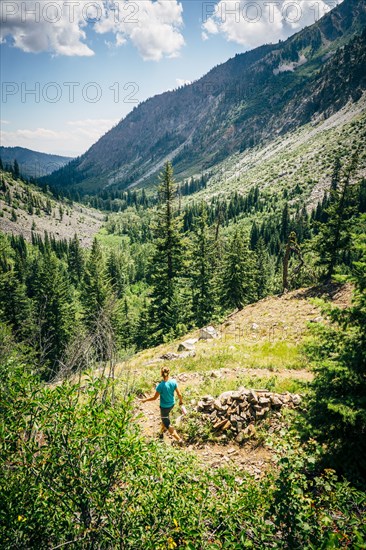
x=238 y=104
x=33 y=164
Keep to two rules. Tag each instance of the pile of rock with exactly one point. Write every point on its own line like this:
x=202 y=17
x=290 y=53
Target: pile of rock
x=238 y=411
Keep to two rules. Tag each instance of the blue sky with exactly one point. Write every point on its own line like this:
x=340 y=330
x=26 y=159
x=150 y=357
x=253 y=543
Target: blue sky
x=72 y=69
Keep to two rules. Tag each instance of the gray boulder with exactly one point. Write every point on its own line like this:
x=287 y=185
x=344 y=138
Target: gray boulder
x=208 y=333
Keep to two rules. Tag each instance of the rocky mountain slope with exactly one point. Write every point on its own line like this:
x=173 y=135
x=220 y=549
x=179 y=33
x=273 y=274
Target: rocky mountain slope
x=300 y=163
x=249 y=100
x=32 y=163
x=26 y=209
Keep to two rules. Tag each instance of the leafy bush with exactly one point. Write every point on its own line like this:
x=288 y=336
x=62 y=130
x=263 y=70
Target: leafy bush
x=76 y=472
x=338 y=405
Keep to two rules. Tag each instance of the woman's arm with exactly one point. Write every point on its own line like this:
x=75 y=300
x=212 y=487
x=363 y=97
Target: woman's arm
x=151 y=398
x=179 y=396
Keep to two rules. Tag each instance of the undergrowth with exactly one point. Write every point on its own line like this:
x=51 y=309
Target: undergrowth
x=76 y=472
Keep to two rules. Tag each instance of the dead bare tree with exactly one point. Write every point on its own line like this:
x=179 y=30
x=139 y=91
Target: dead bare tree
x=89 y=349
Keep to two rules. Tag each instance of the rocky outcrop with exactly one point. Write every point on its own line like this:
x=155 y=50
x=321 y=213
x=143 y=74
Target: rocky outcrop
x=170 y=356
x=239 y=411
x=187 y=345
x=208 y=333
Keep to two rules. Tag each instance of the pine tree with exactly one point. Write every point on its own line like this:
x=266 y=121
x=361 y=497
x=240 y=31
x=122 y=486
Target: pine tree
x=15 y=305
x=334 y=234
x=125 y=329
x=75 y=261
x=254 y=236
x=16 y=170
x=238 y=285
x=55 y=310
x=167 y=263
x=203 y=289
x=95 y=289
x=142 y=333
x=116 y=272
x=338 y=407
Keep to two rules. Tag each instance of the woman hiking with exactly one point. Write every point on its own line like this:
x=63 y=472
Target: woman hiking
x=165 y=389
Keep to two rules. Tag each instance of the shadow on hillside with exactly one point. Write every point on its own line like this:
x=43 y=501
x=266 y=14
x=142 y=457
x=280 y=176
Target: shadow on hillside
x=327 y=291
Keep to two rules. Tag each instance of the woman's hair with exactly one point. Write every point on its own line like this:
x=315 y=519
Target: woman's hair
x=165 y=372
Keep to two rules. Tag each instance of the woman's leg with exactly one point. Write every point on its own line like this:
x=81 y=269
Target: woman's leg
x=173 y=432
x=166 y=424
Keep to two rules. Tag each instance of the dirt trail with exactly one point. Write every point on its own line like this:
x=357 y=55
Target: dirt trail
x=251 y=458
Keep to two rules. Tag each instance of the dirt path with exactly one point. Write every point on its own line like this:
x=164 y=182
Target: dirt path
x=251 y=458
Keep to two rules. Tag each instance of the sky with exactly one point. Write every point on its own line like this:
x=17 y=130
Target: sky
x=72 y=69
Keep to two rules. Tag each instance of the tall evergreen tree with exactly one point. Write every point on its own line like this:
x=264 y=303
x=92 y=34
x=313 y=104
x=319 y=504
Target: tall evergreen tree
x=202 y=279
x=334 y=235
x=116 y=272
x=75 y=261
x=16 y=170
x=167 y=262
x=55 y=310
x=15 y=306
x=95 y=288
x=338 y=408
x=238 y=284
x=142 y=333
x=125 y=326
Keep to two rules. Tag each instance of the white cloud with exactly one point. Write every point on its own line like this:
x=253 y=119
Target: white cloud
x=78 y=135
x=252 y=24
x=59 y=27
x=154 y=28
x=36 y=26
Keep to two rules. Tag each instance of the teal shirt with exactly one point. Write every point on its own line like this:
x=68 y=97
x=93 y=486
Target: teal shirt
x=166 y=390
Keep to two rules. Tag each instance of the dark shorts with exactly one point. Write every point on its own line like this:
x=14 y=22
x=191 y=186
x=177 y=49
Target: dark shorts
x=164 y=413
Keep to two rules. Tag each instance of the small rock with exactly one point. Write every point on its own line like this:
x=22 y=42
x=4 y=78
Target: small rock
x=169 y=356
x=296 y=399
x=275 y=401
x=208 y=333
x=254 y=326
x=220 y=424
x=226 y=395
x=187 y=345
x=264 y=401
x=252 y=397
x=226 y=426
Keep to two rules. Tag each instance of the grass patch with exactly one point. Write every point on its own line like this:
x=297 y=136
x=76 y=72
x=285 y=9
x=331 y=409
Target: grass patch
x=110 y=241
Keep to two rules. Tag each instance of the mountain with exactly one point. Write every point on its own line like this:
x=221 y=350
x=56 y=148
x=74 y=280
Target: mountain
x=251 y=99
x=32 y=163
x=27 y=210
